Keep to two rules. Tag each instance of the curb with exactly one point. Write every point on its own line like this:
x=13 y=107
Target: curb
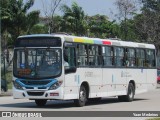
x=8 y=93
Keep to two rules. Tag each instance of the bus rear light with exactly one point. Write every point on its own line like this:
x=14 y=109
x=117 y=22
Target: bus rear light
x=54 y=94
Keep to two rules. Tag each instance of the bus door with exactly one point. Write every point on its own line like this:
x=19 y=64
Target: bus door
x=69 y=55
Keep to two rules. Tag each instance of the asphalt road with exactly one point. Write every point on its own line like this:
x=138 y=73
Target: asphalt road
x=149 y=101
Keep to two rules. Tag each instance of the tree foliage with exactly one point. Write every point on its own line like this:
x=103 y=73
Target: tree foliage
x=142 y=27
x=73 y=19
x=49 y=9
x=16 y=20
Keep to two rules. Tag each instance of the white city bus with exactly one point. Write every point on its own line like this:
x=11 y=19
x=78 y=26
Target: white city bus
x=64 y=67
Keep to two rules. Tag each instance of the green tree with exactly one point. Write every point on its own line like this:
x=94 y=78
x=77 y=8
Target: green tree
x=151 y=20
x=58 y=24
x=38 y=29
x=49 y=8
x=73 y=19
x=100 y=26
x=15 y=18
x=126 y=9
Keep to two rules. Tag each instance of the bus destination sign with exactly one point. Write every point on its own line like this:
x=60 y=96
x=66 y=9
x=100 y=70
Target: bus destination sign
x=38 y=42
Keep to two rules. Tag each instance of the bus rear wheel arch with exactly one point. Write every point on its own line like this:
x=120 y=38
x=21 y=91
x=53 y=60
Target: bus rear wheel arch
x=83 y=95
x=130 y=93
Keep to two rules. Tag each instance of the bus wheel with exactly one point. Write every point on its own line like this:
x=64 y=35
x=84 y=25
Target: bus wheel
x=95 y=99
x=40 y=102
x=130 y=94
x=82 y=97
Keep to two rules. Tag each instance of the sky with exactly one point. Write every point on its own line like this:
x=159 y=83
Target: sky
x=90 y=7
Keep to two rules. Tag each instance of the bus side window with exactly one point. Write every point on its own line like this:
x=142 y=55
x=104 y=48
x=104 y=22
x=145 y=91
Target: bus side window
x=150 y=58
x=69 y=56
x=140 y=57
x=119 y=56
x=82 y=55
x=131 y=57
x=69 y=60
x=107 y=53
x=94 y=55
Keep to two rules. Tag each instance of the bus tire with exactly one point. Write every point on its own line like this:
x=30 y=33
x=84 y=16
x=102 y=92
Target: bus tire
x=95 y=99
x=130 y=94
x=40 y=102
x=121 y=98
x=82 y=97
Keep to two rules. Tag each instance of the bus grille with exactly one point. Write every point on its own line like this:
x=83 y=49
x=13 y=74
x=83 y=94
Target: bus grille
x=35 y=82
x=38 y=87
x=29 y=87
x=35 y=93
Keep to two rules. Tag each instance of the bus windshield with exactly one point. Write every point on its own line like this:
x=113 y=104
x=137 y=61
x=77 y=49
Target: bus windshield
x=37 y=63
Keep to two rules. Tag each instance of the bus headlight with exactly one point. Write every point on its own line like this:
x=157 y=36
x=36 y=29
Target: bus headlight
x=55 y=85
x=17 y=85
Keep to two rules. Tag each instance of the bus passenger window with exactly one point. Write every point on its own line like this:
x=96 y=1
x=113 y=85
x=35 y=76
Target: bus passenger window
x=82 y=55
x=107 y=53
x=131 y=57
x=150 y=58
x=69 y=57
x=140 y=57
x=119 y=56
x=94 y=55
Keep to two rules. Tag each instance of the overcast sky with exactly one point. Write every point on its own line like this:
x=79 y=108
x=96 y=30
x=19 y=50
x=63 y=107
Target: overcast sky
x=91 y=7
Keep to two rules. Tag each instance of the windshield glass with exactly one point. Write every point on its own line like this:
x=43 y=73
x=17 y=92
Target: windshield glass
x=37 y=63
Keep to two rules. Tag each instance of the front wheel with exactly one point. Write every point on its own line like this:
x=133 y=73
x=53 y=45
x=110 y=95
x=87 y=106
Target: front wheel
x=82 y=97
x=130 y=94
x=95 y=99
x=40 y=102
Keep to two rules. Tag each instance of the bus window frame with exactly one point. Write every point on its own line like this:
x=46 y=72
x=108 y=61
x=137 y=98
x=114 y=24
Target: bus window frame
x=80 y=66
x=112 y=47
x=124 y=58
x=99 y=56
x=105 y=66
x=154 y=67
x=22 y=48
x=142 y=67
x=71 y=69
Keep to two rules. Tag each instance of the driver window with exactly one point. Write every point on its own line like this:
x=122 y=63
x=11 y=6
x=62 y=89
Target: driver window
x=69 y=57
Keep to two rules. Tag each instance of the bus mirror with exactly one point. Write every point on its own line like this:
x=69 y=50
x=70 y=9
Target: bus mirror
x=70 y=70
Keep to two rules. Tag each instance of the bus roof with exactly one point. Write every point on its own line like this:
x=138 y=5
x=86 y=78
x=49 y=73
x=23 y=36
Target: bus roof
x=98 y=41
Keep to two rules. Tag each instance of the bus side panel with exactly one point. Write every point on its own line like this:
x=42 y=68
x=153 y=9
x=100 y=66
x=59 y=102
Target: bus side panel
x=139 y=77
x=151 y=79
x=71 y=86
x=93 y=76
x=114 y=81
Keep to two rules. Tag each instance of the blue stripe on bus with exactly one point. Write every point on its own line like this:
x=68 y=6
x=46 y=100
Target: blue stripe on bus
x=47 y=85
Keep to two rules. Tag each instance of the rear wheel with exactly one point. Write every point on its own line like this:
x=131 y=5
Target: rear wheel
x=130 y=94
x=40 y=102
x=82 y=97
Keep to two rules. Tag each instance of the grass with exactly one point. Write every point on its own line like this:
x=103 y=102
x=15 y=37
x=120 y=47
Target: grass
x=154 y=119
x=8 y=77
x=9 y=85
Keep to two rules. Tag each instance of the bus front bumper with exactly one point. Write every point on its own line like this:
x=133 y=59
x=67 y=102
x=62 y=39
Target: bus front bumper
x=38 y=94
